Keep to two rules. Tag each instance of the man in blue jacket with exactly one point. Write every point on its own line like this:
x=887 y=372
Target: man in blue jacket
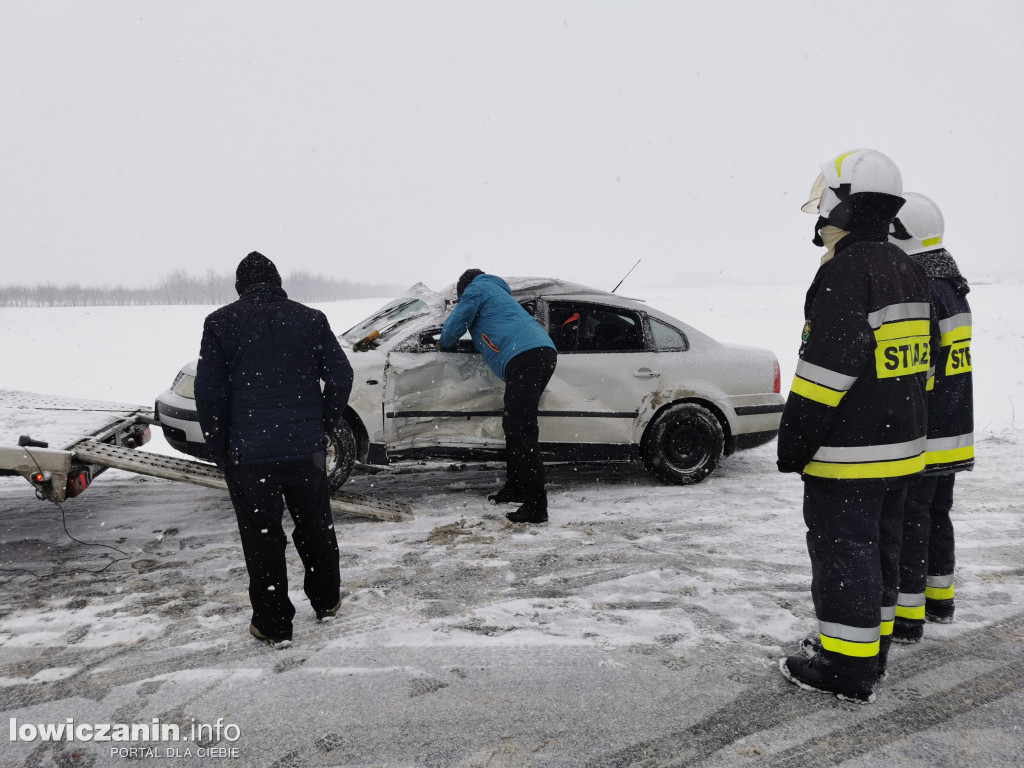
x=522 y=355
x=265 y=419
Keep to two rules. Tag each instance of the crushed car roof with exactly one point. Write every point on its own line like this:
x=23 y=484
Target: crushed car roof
x=531 y=286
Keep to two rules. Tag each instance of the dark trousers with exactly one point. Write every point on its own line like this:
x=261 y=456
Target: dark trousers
x=853 y=538
x=526 y=376
x=928 y=543
x=259 y=493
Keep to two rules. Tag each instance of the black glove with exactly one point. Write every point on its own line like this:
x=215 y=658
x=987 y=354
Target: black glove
x=787 y=466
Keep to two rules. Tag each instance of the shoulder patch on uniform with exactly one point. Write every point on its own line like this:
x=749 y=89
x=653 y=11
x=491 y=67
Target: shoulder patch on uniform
x=806 y=334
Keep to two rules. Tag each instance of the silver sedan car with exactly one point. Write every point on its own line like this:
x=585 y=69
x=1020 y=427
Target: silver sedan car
x=631 y=383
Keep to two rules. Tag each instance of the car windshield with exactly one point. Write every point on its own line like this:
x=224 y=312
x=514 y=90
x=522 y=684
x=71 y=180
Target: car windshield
x=387 y=319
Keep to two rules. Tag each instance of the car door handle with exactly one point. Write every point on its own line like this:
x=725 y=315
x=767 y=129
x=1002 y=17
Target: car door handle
x=646 y=373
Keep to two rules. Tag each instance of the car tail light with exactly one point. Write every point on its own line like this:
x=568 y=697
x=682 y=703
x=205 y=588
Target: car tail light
x=77 y=482
x=778 y=377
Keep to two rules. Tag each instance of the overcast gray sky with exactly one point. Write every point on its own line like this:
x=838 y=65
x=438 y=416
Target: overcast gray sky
x=406 y=141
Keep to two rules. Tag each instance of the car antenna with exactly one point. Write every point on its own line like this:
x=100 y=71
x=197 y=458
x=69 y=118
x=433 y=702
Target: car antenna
x=625 y=276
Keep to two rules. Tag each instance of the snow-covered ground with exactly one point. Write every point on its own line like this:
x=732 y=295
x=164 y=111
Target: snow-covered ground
x=641 y=626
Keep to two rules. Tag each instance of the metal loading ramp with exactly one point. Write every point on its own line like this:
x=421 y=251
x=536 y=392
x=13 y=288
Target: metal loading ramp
x=207 y=475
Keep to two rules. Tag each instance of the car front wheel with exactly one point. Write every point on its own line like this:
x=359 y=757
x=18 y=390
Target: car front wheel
x=341 y=456
x=684 y=444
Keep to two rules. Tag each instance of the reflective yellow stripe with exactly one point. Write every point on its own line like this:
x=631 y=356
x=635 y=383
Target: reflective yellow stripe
x=816 y=392
x=959 y=360
x=951 y=456
x=902 y=330
x=866 y=470
x=839 y=162
x=938 y=593
x=930 y=385
x=917 y=612
x=902 y=356
x=931 y=241
x=886 y=628
x=848 y=648
x=957 y=334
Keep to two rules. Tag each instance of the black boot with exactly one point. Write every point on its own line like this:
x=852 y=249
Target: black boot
x=810 y=645
x=850 y=679
x=268 y=639
x=329 y=613
x=506 y=495
x=939 y=611
x=884 y=644
x=907 y=630
x=530 y=512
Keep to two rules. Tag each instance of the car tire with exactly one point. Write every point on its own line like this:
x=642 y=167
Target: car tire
x=341 y=456
x=684 y=444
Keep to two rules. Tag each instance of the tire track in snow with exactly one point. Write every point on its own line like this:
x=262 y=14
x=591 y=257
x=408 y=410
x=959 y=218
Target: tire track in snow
x=760 y=708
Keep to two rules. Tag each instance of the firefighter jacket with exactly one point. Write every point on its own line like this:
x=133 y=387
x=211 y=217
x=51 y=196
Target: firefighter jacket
x=950 y=445
x=857 y=409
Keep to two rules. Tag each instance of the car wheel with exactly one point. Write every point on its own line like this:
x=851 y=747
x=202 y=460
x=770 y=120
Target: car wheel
x=684 y=444
x=341 y=455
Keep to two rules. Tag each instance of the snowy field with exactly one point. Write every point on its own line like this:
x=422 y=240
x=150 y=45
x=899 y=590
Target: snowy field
x=640 y=627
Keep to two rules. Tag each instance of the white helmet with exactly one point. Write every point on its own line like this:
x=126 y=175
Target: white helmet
x=919 y=226
x=860 y=170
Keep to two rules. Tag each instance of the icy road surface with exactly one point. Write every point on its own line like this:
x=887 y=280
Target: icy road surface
x=640 y=627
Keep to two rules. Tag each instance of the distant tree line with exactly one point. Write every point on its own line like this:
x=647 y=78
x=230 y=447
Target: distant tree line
x=179 y=287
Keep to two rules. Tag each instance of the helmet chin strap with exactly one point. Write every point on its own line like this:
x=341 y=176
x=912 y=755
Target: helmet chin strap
x=842 y=194
x=821 y=222
x=899 y=231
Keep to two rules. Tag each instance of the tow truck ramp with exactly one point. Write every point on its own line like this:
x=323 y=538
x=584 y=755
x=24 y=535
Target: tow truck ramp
x=207 y=475
x=82 y=438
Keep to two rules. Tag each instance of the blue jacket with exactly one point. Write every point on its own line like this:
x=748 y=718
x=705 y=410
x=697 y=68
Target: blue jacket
x=258 y=380
x=501 y=329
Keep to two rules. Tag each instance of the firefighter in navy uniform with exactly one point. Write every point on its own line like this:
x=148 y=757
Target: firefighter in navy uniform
x=854 y=423
x=927 y=553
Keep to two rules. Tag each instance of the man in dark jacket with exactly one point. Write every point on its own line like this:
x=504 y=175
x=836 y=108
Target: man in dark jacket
x=854 y=423
x=522 y=355
x=927 y=554
x=265 y=420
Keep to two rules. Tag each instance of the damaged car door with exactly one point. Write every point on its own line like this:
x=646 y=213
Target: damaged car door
x=437 y=399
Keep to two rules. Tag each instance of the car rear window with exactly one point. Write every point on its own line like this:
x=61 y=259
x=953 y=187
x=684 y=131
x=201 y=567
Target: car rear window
x=666 y=338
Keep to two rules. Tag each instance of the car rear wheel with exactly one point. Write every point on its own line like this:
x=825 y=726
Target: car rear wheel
x=341 y=456
x=684 y=444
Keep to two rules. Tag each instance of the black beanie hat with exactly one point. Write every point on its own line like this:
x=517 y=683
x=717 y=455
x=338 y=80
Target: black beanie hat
x=256 y=268
x=467 y=277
